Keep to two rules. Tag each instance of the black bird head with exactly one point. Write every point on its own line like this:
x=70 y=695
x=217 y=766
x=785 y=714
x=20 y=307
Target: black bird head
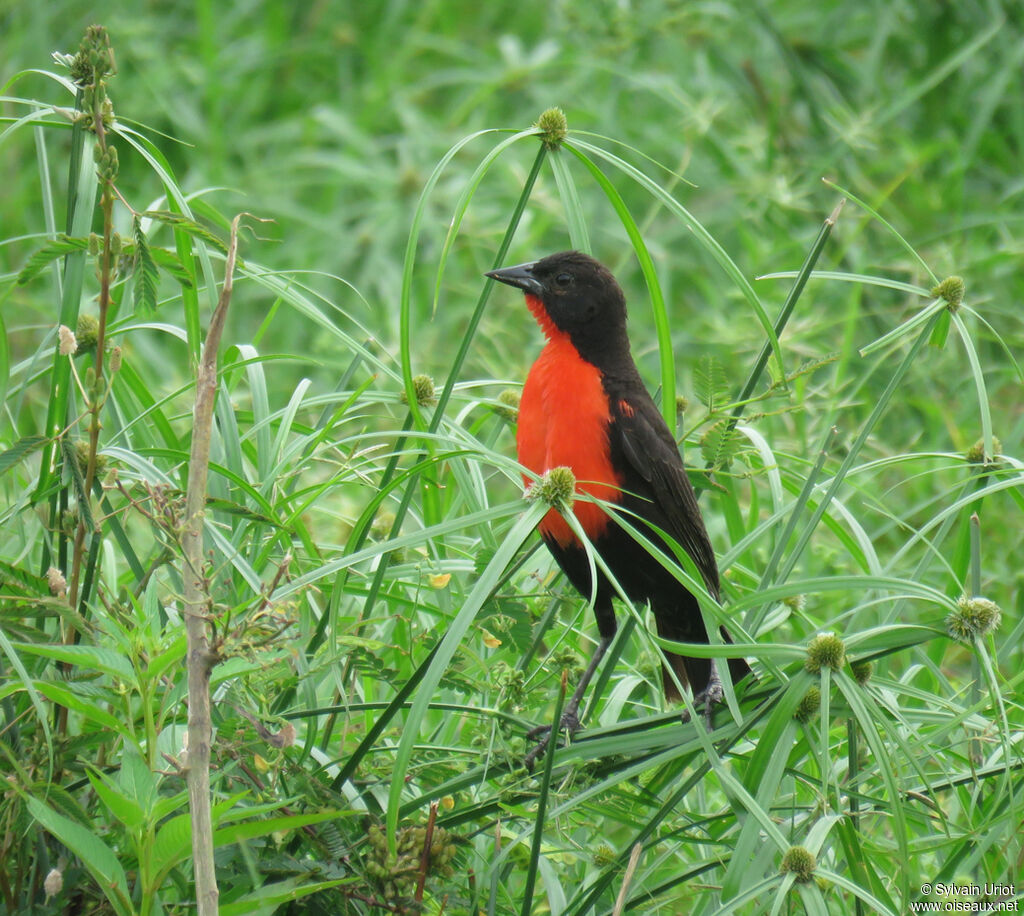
x=579 y=297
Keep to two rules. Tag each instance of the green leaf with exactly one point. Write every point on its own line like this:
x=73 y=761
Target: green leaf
x=158 y=664
x=98 y=658
x=484 y=588
x=941 y=331
x=5 y=363
x=247 y=830
x=78 y=482
x=14 y=576
x=190 y=226
x=173 y=843
x=62 y=695
x=136 y=780
x=269 y=897
x=710 y=383
x=146 y=274
x=97 y=857
x=171 y=263
x=720 y=444
x=20 y=451
x=125 y=809
x=50 y=252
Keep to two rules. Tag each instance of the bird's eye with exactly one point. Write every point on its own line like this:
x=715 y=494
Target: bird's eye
x=564 y=279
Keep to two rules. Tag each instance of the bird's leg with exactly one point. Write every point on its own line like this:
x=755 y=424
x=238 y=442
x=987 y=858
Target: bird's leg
x=710 y=696
x=570 y=715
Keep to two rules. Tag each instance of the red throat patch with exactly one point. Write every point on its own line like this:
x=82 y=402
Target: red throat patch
x=563 y=421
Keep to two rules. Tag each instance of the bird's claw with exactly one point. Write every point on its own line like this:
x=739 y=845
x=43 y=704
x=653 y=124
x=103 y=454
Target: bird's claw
x=708 y=699
x=570 y=722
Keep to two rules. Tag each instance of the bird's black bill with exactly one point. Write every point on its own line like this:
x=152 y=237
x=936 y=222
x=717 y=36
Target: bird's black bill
x=521 y=276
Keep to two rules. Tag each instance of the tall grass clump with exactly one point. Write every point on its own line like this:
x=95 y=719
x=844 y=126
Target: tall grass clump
x=381 y=631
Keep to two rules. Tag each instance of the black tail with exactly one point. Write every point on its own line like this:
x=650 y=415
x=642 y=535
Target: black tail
x=692 y=672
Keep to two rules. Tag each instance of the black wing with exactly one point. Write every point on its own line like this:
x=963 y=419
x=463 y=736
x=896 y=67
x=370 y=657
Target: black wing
x=639 y=432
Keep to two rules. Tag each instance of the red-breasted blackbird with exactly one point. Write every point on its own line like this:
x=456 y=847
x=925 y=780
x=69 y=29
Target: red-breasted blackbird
x=585 y=406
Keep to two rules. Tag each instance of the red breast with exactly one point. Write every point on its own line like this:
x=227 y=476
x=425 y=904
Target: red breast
x=563 y=421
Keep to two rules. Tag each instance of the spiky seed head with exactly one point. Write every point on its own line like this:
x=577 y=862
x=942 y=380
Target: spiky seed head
x=681 y=404
x=808 y=707
x=382 y=524
x=81 y=69
x=952 y=290
x=826 y=650
x=974 y=617
x=800 y=863
x=82 y=457
x=553 y=127
x=976 y=453
x=604 y=856
x=69 y=521
x=508 y=405
x=556 y=488
x=423 y=386
x=87 y=332
x=862 y=671
x=566 y=660
x=795 y=602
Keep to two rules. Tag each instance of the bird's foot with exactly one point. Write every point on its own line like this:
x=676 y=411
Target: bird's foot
x=570 y=722
x=709 y=698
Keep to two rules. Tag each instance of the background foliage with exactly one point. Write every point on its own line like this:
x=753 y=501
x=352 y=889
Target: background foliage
x=348 y=529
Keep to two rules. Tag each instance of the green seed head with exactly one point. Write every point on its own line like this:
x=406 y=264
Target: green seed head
x=800 y=863
x=556 y=488
x=681 y=404
x=508 y=405
x=567 y=660
x=553 y=127
x=976 y=453
x=87 y=332
x=974 y=617
x=603 y=856
x=96 y=47
x=81 y=69
x=808 y=706
x=862 y=672
x=826 y=650
x=69 y=521
x=952 y=290
x=108 y=164
x=382 y=524
x=796 y=602
x=82 y=457
x=423 y=386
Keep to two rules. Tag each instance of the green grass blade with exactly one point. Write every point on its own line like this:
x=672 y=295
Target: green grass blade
x=481 y=591
x=543 y=797
x=665 y=352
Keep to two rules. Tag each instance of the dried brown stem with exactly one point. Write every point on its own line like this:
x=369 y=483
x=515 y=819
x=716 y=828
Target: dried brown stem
x=200 y=658
x=428 y=839
x=627 y=879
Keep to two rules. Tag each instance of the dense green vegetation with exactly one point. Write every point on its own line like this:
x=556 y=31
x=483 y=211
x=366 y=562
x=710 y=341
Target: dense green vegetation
x=387 y=628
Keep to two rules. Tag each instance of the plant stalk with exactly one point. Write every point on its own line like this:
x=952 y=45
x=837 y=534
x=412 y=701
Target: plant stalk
x=200 y=658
